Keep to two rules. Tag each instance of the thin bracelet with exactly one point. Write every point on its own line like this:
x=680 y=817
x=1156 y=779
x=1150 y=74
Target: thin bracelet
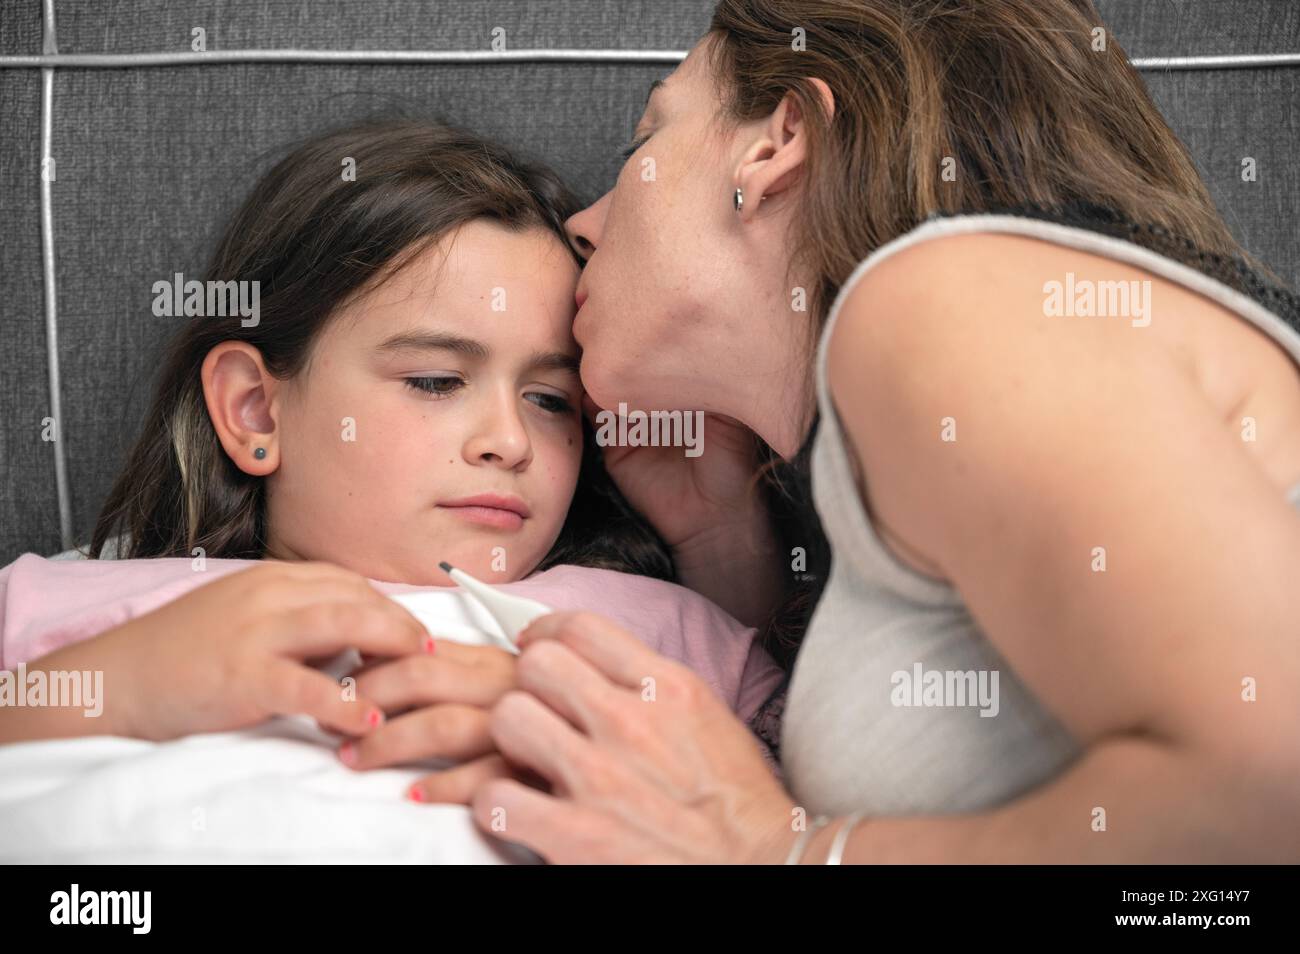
x=836 y=853
x=797 y=849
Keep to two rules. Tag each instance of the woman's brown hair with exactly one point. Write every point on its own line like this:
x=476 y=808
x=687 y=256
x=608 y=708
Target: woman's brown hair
x=1026 y=102
x=1030 y=104
x=313 y=239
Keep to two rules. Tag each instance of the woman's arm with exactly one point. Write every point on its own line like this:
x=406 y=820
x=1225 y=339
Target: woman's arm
x=1110 y=535
x=1067 y=440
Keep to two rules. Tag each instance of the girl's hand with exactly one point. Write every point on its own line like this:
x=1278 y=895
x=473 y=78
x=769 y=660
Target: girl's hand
x=234 y=653
x=438 y=707
x=644 y=763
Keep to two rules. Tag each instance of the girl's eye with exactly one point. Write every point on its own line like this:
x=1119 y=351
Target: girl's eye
x=435 y=386
x=637 y=144
x=551 y=402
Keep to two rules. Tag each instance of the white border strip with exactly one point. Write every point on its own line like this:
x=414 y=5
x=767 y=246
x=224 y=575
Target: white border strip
x=50 y=44
x=1242 y=61
x=188 y=58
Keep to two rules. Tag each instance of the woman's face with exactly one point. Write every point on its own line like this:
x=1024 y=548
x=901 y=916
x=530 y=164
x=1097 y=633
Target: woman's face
x=685 y=304
x=456 y=378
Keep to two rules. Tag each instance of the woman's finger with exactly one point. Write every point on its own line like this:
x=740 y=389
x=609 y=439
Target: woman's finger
x=609 y=647
x=561 y=831
x=290 y=688
x=571 y=686
x=451 y=732
x=533 y=737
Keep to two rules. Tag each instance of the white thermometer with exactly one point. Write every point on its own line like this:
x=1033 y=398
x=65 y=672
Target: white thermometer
x=512 y=613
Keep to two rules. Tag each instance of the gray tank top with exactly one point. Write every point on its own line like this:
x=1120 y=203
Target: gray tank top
x=892 y=707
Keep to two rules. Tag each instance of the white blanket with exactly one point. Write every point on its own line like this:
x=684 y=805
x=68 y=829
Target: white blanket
x=276 y=793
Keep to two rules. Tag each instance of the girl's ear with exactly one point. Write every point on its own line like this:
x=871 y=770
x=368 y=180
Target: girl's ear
x=240 y=395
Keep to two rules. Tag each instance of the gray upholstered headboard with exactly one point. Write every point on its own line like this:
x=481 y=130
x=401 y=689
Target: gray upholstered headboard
x=149 y=158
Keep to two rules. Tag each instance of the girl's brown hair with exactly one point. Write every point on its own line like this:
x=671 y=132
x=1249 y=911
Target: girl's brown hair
x=313 y=239
x=1030 y=103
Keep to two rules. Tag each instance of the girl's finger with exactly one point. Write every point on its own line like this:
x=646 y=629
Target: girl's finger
x=427 y=680
x=443 y=732
x=290 y=688
x=379 y=627
x=456 y=785
x=445 y=648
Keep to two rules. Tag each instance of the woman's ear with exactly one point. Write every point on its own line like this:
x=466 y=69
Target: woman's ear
x=773 y=162
x=241 y=398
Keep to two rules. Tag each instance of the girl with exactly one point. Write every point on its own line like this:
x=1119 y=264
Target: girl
x=407 y=393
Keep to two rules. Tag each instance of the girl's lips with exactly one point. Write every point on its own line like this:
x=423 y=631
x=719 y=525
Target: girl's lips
x=488 y=516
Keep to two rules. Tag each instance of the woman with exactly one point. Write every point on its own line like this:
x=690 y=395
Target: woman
x=1058 y=457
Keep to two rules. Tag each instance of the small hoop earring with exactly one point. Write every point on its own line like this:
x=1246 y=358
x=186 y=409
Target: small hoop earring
x=738 y=199
x=259 y=453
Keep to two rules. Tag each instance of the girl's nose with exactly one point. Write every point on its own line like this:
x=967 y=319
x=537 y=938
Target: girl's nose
x=499 y=438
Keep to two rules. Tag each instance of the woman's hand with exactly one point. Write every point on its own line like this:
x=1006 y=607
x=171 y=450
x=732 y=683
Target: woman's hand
x=234 y=653
x=685 y=497
x=718 y=528
x=644 y=763
x=438 y=707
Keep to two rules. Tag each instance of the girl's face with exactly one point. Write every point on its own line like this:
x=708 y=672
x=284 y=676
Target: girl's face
x=438 y=417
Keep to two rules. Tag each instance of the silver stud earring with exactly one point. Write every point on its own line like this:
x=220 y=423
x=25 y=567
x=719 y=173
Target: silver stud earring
x=259 y=453
x=738 y=199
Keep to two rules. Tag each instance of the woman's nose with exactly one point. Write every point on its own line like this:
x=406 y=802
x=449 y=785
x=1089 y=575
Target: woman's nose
x=584 y=228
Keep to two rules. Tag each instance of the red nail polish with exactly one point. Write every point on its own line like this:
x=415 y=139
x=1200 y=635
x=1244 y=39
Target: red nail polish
x=428 y=645
x=348 y=754
x=415 y=793
x=374 y=717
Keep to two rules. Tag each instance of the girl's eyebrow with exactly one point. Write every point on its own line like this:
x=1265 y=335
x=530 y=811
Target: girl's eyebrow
x=472 y=348
x=434 y=341
x=554 y=361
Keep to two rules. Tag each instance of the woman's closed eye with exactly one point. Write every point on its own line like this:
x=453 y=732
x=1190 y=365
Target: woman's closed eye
x=633 y=147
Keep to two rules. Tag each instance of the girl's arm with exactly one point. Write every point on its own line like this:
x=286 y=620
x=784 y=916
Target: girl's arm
x=229 y=654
